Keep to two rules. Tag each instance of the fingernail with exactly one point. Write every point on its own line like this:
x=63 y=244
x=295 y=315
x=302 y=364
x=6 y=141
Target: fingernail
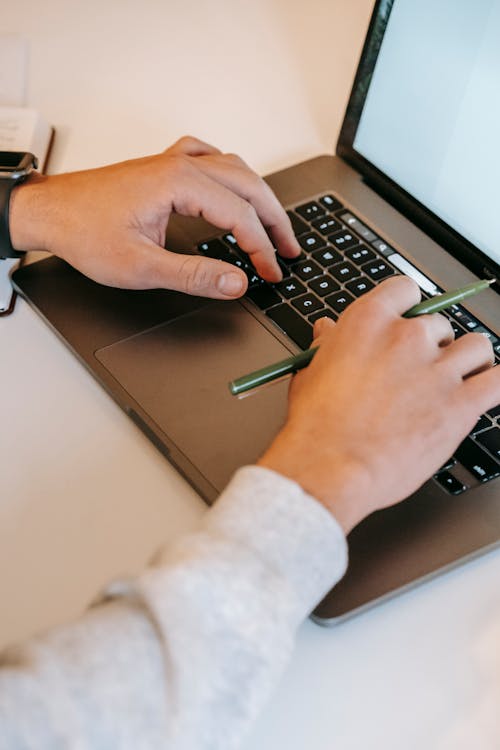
x=230 y=284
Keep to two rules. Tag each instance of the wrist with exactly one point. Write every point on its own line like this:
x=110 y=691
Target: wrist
x=336 y=482
x=28 y=214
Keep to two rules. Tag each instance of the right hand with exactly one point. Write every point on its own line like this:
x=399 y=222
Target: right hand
x=384 y=403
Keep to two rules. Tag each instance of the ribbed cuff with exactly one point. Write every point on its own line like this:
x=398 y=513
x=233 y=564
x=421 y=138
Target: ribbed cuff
x=290 y=530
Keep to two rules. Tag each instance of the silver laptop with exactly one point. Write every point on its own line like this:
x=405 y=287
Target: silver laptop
x=413 y=188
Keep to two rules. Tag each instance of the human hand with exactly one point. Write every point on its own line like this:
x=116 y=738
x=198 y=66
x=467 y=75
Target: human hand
x=110 y=223
x=384 y=403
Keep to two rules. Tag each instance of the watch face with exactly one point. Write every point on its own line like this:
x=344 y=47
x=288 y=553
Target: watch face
x=11 y=159
x=16 y=163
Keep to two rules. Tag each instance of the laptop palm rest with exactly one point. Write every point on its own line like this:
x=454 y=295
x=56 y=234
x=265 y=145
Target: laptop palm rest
x=178 y=373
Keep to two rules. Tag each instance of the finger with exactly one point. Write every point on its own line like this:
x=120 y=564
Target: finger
x=483 y=390
x=197 y=194
x=232 y=172
x=397 y=294
x=439 y=328
x=321 y=327
x=469 y=354
x=192 y=147
x=193 y=274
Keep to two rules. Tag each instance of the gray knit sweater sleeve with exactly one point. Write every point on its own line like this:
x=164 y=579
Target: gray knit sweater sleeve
x=184 y=656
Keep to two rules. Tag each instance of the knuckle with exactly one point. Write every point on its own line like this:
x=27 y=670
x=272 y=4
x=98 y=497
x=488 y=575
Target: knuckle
x=481 y=342
x=272 y=201
x=256 y=190
x=186 y=142
x=248 y=214
x=399 y=281
x=235 y=160
x=195 y=275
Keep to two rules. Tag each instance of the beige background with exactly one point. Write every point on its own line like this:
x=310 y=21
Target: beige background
x=83 y=495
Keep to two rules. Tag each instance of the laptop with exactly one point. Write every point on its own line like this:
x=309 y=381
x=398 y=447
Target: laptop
x=411 y=189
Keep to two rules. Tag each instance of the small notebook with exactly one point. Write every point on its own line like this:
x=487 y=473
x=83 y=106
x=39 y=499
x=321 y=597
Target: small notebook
x=23 y=129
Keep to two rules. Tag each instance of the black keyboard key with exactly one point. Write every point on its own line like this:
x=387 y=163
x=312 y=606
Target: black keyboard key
x=327 y=257
x=450 y=483
x=327 y=225
x=230 y=240
x=483 y=423
x=306 y=304
x=360 y=286
x=299 y=226
x=465 y=320
x=322 y=314
x=287 y=264
x=236 y=261
x=342 y=240
x=360 y=254
x=383 y=248
x=330 y=203
x=345 y=271
x=213 y=248
x=264 y=296
x=495 y=412
x=457 y=330
x=378 y=270
x=357 y=226
x=311 y=241
x=292 y=324
x=310 y=211
x=252 y=275
x=477 y=461
x=290 y=288
x=228 y=257
x=449 y=464
x=339 y=301
x=324 y=285
x=491 y=441
x=306 y=270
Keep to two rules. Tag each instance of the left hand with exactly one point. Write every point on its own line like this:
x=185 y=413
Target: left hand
x=110 y=223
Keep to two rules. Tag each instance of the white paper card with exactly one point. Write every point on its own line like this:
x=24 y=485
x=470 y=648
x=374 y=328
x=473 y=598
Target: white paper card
x=13 y=67
x=7 y=265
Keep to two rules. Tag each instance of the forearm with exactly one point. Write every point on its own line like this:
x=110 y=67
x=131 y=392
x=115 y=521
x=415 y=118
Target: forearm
x=188 y=657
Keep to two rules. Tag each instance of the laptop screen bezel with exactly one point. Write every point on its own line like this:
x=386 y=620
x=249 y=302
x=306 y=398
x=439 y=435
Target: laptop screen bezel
x=452 y=241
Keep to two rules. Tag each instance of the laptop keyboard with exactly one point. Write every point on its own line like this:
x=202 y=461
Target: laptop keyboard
x=342 y=259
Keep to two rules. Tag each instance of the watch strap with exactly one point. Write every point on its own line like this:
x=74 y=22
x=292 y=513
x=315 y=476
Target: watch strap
x=6 y=249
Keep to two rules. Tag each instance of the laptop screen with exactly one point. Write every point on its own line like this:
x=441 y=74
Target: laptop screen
x=427 y=110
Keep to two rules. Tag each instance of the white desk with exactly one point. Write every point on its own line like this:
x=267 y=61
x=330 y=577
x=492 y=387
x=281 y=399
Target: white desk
x=84 y=496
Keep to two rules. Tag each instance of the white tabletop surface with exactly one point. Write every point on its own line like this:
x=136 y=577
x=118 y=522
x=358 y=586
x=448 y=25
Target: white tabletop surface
x=83 y=495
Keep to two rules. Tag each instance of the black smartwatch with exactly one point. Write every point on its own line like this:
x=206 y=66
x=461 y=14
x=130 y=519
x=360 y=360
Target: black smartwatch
x=15 y=166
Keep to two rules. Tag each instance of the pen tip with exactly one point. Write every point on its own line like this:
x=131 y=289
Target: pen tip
x=492 y=281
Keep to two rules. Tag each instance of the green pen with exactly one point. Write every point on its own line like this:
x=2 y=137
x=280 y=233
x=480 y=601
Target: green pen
x=298 y=361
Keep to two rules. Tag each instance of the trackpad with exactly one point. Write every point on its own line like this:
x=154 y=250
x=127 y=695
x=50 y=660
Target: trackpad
x=179 y=371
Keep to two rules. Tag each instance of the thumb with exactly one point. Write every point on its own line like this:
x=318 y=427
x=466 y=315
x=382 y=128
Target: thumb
x=194 y=274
